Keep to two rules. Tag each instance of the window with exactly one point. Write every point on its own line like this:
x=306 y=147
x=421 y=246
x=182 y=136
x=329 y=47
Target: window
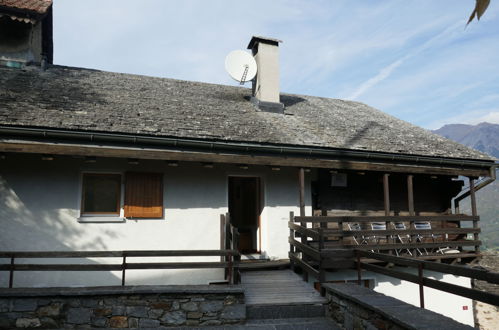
x=101 y=194
x=143 y=195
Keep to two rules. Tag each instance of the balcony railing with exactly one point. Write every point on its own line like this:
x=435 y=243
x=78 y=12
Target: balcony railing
x=328 y=242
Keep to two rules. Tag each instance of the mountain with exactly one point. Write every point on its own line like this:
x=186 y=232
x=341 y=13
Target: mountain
x=483 y=137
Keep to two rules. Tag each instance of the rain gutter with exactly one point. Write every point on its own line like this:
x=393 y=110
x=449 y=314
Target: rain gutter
x=491 y=178
x=131 y=140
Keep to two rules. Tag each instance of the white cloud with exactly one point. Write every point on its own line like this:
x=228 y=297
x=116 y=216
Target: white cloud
x=385 y=72
x=471 y=117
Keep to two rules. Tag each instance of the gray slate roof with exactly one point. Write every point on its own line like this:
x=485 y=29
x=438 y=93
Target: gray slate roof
x=91 y=100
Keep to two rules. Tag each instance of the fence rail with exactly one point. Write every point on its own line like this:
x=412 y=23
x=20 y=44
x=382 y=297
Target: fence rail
x=230 y=261
x=336 y=232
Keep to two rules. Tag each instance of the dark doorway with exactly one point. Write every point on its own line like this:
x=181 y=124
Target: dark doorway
x=245 y=209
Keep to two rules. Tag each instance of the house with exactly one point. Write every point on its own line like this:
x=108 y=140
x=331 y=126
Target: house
x=95 y=160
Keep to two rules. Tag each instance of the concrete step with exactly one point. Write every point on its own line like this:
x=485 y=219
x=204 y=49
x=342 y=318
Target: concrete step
x=279 y=311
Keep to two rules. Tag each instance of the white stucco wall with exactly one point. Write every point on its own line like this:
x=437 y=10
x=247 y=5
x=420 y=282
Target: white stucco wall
x=435 y=300
x=39 y=210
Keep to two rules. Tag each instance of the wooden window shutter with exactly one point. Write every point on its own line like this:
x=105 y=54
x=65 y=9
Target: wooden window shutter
x=143 y=195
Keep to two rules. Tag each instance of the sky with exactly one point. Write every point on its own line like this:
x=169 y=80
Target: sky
x=413 y=59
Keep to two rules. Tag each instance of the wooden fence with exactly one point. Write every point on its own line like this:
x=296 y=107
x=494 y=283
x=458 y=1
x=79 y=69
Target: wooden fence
x=229 y=240
x=328 y=241
x=230 y=261
x=321 y=248
x=421 y=265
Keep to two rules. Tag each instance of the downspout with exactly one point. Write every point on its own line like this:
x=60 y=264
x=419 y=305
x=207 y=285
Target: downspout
x=492 y=178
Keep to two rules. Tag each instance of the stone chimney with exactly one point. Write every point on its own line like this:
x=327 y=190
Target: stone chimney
x=266 y=93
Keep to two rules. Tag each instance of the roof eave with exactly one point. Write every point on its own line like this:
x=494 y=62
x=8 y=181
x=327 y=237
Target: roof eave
x=244 y=148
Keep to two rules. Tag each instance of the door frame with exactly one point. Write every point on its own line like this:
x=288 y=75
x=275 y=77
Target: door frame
x=260 y=202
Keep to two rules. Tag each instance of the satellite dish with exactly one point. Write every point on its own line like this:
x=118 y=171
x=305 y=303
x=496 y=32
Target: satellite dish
x=241 y=66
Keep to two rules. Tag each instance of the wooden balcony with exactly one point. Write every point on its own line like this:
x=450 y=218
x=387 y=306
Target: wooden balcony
x=328 y=242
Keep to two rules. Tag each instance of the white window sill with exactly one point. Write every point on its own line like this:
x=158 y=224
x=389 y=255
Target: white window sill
x=101 y=219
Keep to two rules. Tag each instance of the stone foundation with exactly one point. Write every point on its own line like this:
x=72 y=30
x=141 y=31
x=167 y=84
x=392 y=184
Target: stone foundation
x=118 y=307
x=356 y=307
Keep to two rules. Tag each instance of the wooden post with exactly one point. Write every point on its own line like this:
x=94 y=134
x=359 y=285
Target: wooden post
x=386 y=195
x=301 y=179
x=421 y=287
x=322 y=272
x=410 y=194
x=359 y=270
x=473 y=197
x=474 y=211
x=410 y=202
x=321 y=238
x=291 y=237
x=301 y=182
x=123 y=267
x=228 y=233
x=11 y=273
x=230 y=269
x=222 y=236
x=236 y=258
x=228 y=240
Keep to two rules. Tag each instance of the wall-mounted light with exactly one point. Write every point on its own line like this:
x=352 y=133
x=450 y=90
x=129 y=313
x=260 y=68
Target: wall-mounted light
x=90 y=159
x=307 y=169
x=208 y=165
x=434 y=177
x=361 y=173
x=275 y=168
x=133 y=161
x=47 y=157
x=172 y=163
x=243 y=166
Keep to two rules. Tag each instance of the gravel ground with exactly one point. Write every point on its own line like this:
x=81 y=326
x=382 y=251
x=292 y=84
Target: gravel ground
x=487 y=316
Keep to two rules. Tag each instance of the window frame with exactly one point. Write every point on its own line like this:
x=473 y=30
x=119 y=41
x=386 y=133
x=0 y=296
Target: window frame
x=119 y=203
x=112 y=217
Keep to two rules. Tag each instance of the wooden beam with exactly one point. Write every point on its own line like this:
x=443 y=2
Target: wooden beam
x=304 y=231
x=309 y=251
x=478 y=274
x=11 y=145
x=305 y=266
x=110 y=267
x=116 y=254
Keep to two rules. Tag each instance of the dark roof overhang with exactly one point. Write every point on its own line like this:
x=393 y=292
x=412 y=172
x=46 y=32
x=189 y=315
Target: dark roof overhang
x=90 y=139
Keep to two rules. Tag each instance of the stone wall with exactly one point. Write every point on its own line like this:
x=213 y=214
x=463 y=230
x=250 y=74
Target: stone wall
x=356 y=307
x=118 y=307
